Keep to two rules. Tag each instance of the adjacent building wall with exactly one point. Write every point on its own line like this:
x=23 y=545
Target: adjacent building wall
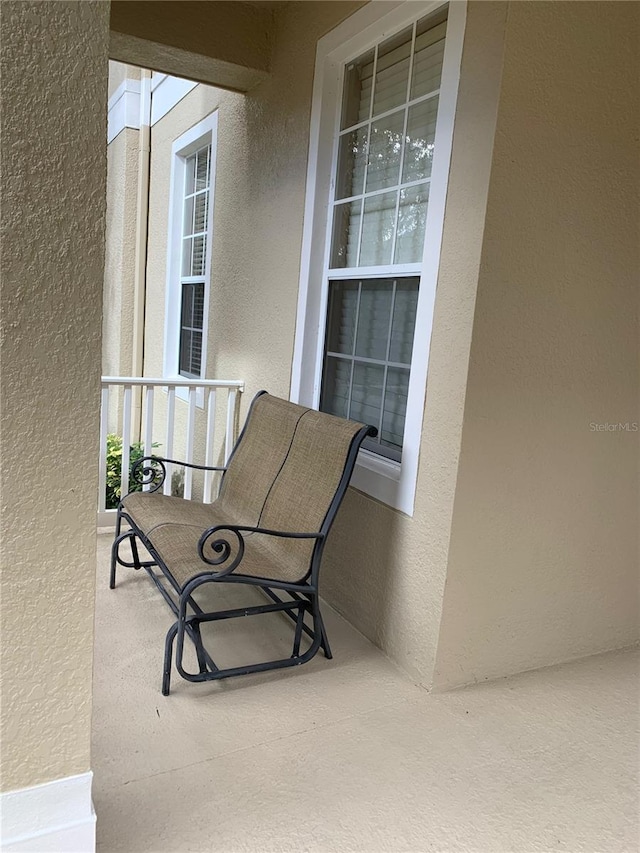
x=122 y=172
x=53 y=206
x=119 y=72
x=543 y=562
x=119 y=271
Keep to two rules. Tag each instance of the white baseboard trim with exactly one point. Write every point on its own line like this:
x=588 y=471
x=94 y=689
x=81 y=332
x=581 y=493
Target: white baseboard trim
x=56 y=817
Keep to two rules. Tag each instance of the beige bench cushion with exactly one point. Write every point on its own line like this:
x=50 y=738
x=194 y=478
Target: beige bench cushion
x=283 y=476
x=174 y=527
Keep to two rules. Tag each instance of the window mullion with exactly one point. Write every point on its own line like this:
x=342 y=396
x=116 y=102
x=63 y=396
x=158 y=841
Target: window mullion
x=366 y=162
x=353 y=348
x=401 y=184
x=386 y=113
x=404 y=144
x=388 y=352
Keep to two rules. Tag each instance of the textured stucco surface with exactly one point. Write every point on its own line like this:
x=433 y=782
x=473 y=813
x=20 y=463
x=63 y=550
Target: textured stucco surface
x=117 y=328
x=234 y=32
x=53 y=92
x=384 y=571
x=543 y=559
x=119 y=271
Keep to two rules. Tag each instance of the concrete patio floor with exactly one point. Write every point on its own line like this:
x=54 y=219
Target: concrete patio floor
x=349 y=755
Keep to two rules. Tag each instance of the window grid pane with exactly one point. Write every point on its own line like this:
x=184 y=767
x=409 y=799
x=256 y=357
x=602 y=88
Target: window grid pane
x=191 y=323
x=194 y=257
x=369 y=342
x=390 y=107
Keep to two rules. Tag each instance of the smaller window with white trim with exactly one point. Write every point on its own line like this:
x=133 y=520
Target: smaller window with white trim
x=195 y=225
x=189 y=245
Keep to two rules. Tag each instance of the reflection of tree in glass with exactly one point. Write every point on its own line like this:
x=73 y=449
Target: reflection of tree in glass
x=379 y=148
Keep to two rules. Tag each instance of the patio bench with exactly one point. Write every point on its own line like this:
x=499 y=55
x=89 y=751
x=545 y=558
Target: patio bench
x=279 y=495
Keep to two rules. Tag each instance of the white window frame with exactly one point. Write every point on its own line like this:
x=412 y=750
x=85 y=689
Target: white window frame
x=203 y=133
x=393 y=483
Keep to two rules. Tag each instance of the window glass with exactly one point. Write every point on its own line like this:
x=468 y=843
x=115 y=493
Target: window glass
x=386 y=142
x=385 y=151
x=420 y=139
x=358 y=85
x=369 y=341
x=392 y=72
x=412 y=219
x=429 y=52
x=195 y=222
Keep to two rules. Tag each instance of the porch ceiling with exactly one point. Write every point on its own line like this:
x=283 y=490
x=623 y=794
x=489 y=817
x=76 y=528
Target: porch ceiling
x=222 y=44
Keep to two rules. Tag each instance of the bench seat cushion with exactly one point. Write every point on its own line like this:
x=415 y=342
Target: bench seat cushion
x=174 y=527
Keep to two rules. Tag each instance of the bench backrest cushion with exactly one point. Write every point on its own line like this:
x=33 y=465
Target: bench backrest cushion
x=284 y=475
x=258 y=457
x=306 y=485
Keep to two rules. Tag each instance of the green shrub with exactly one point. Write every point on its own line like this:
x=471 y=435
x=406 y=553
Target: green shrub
x=114 y=462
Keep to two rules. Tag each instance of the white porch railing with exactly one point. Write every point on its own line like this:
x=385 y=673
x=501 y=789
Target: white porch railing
x=213 y=402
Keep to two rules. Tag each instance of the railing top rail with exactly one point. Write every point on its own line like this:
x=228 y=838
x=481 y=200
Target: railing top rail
x=166 y=382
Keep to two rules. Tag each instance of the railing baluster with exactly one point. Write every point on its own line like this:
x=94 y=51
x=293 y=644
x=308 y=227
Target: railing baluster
x=195 y=390
x=148 y=425
x=126 y=441
x=231 y=410
x=168 y=449
x=210 y=446
x=191 y=425
x=102 y=467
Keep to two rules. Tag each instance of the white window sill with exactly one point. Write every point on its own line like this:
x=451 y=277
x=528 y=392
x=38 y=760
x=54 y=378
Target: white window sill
x=379 y=465
x=381 y=479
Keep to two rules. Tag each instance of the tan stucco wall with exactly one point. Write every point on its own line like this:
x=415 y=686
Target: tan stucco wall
x=122 y=173
x=53 y=205
x=386 y=572
x=544 y=551
x=119 y=271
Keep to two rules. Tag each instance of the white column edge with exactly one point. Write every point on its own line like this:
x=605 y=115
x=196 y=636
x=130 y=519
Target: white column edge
x=167 y=92
x=48 y=818
x=123 y=109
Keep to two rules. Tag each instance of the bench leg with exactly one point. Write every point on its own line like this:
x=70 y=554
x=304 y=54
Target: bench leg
x=298 y=635
x=196 y=636
x=114 y=552
x=168 y=655
x=324 y=642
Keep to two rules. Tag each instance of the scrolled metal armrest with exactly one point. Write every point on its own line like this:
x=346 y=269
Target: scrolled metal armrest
x=223 y=548
x=154 y=472
x=149 y=471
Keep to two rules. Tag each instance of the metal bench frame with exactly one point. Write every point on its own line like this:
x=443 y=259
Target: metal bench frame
x=216 y=545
